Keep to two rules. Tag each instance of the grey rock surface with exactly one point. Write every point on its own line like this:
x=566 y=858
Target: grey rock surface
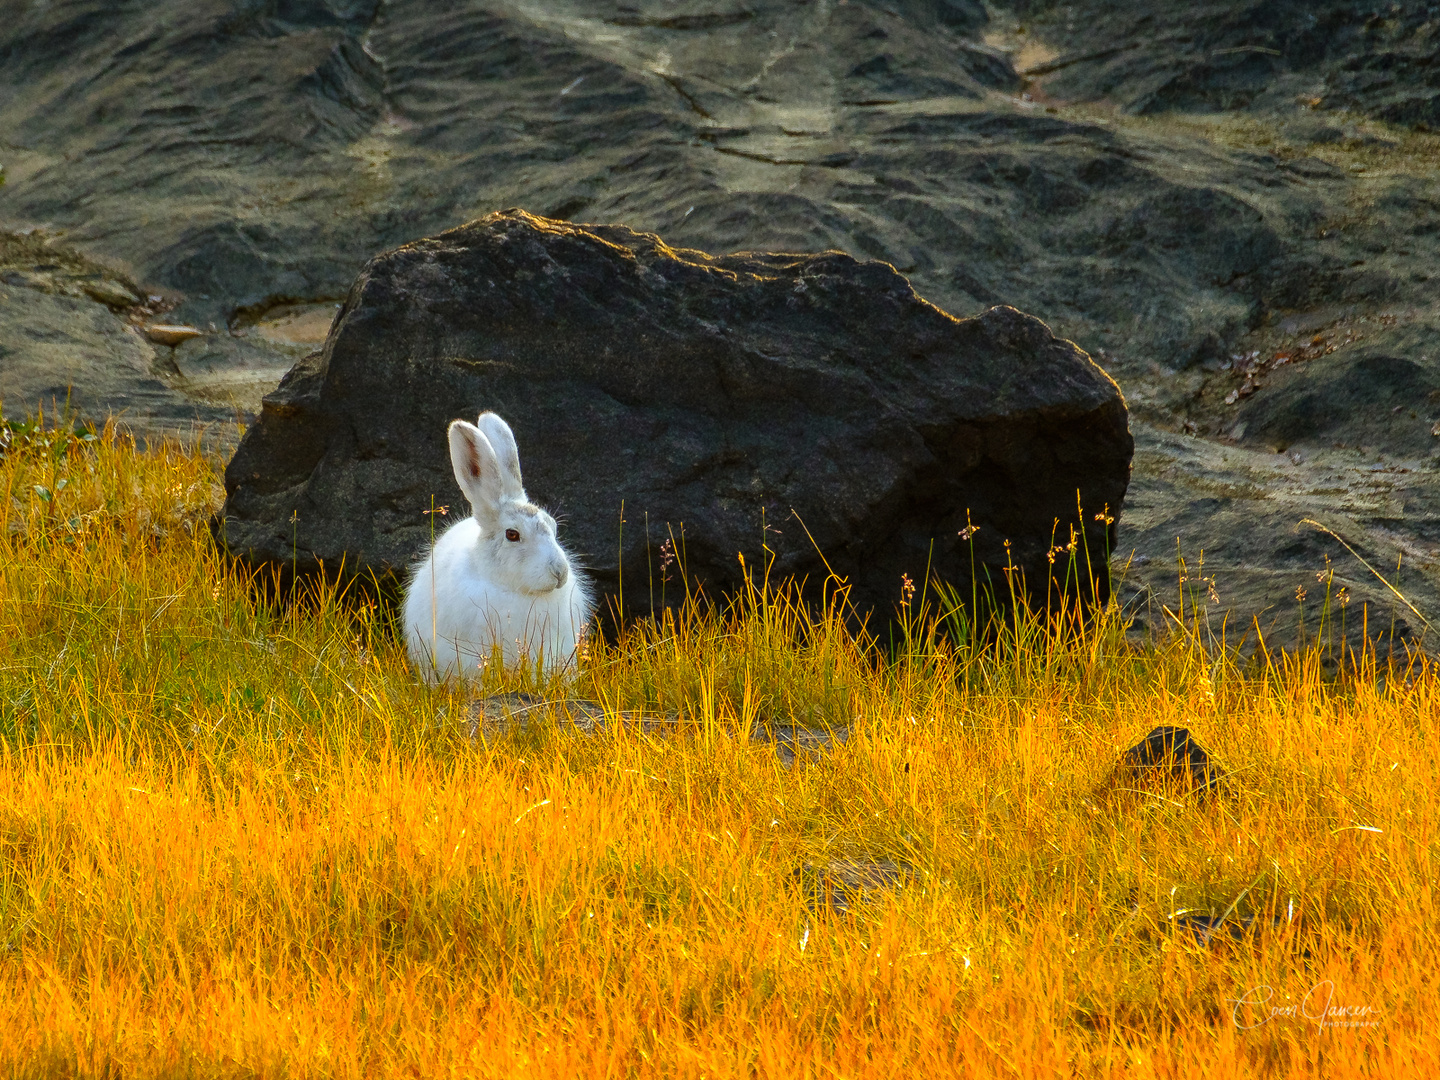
x=498 y=715
x=1230 y=542
x=1380 y=59
x=76 y=354
x=811 y=404
x=1234 y=205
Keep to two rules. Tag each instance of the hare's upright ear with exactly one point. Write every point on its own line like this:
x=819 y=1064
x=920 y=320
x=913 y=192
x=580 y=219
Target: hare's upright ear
x=477 y=470
x=508 y=454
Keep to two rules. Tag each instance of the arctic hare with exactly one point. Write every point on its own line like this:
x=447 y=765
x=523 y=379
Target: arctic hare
x=498 y=576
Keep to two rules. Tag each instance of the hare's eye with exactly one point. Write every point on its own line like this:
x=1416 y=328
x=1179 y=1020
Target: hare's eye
x=512 y=534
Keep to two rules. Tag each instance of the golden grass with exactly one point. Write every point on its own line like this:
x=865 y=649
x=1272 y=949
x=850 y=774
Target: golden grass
x=242 y=840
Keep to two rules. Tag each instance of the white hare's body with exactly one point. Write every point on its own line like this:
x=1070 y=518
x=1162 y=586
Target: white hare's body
x=451 y=604
x=498 y=577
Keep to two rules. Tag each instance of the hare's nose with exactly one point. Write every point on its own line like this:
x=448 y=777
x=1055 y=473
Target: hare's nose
x=560 y=572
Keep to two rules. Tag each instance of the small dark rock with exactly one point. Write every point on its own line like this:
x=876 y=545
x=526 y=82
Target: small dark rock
x=1169 y=754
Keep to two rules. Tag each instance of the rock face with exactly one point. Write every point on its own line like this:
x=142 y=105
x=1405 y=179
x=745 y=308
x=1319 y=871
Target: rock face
x=1232 y=205
x=724 y=400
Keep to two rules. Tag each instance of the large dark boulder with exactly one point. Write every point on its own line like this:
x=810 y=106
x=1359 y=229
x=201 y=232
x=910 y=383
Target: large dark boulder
x=723 y=400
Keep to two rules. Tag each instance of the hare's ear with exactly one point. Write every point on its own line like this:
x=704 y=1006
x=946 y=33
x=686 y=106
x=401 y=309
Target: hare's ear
x=477 y=470
x=508 y=454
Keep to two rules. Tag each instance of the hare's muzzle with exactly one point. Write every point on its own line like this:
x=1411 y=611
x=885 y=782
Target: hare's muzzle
x=559 y=571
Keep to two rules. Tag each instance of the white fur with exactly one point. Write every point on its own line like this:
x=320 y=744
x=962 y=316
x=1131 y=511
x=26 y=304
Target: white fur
x=476 y=588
